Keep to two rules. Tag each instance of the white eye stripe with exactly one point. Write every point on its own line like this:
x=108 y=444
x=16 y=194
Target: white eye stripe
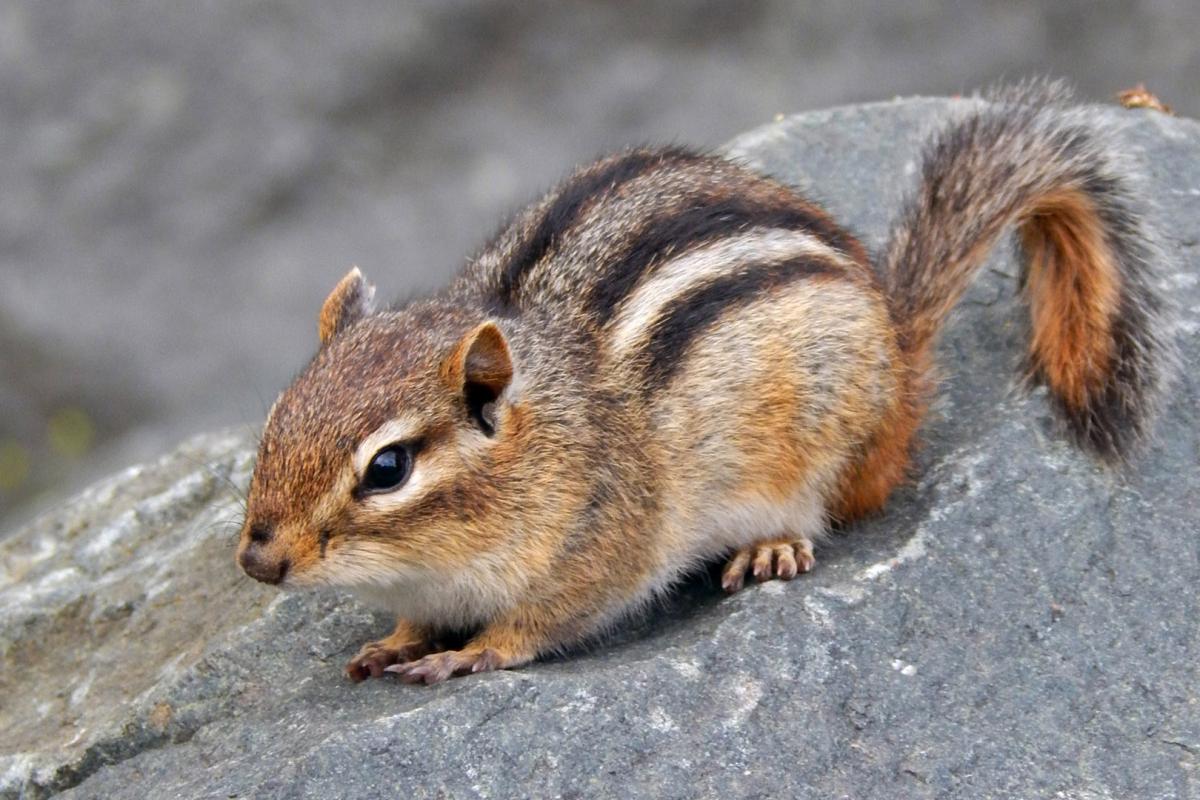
x=432 y=469
x=403 y=494
x=396 y=430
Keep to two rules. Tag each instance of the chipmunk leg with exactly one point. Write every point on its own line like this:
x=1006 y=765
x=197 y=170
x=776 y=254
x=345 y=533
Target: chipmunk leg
x=501 y=645
x=405 y=643
x=780 y=558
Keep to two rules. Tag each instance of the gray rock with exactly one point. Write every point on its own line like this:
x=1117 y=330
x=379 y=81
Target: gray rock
x=1021 y=622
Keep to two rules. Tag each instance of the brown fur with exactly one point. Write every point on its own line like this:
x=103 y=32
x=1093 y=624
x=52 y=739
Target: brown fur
x=1073 y=288
x=868 y=482
x=1026 y=159
x=775 y=458
x=349 y=301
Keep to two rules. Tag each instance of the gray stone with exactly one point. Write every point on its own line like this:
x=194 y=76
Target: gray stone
x=1021 y=622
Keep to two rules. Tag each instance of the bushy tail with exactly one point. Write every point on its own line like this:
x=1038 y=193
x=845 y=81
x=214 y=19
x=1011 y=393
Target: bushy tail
x=1024 y=158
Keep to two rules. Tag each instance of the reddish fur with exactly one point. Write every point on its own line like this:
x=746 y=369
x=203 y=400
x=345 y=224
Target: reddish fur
x=1074 y=291
x=775 y=456
x=867 y=483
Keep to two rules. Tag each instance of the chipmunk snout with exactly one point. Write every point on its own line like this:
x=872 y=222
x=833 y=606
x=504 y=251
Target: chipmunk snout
x=257 y=559
x=263 y=567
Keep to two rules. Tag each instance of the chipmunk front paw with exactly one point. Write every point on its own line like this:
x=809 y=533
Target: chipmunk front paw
x=782 y=559
x=437 y=667
x=374 y=657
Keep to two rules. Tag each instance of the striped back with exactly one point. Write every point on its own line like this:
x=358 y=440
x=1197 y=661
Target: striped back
x=649 y=247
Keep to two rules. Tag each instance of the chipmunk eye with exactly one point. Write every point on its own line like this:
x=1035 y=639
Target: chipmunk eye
x=389 y=468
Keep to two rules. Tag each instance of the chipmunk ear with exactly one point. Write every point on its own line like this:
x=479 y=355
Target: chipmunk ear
x=351 y=300
x=481 y=367
x=482 y=358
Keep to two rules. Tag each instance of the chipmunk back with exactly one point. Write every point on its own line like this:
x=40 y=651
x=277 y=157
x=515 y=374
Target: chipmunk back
x=671 y=359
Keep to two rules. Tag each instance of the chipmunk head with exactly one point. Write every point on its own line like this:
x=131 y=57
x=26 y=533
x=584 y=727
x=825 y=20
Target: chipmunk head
x=386 y=456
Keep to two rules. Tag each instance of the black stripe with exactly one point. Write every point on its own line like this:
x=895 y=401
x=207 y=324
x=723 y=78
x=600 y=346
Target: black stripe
x=692 y=314
x=711 y=218
x=565 y=208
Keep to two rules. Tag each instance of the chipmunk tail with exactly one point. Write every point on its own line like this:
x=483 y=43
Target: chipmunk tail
x=1024 y=158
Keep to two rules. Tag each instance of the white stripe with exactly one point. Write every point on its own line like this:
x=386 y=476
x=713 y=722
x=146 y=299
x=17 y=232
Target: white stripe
x=699 y=266
x=396 y=430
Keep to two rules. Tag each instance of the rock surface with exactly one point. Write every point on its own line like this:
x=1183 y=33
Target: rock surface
x=1019 y=623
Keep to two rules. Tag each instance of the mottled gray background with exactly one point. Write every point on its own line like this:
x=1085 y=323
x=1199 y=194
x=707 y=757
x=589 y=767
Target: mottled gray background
x=181 y=183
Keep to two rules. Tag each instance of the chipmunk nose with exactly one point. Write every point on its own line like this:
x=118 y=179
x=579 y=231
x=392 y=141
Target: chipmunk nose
x=262 y=566
x=257 y=562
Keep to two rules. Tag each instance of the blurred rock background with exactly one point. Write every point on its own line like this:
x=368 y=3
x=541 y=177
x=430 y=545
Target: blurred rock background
x=180 y=184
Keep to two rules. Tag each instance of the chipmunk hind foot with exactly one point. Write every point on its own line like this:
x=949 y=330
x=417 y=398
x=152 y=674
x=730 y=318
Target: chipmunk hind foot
x=783 y=558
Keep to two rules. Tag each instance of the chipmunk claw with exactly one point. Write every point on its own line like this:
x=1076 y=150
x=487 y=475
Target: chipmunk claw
x=766 y=560
x=375 y=657
x=437 y=667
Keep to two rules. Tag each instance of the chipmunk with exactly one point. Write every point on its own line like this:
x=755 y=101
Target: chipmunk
x=671 y=359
